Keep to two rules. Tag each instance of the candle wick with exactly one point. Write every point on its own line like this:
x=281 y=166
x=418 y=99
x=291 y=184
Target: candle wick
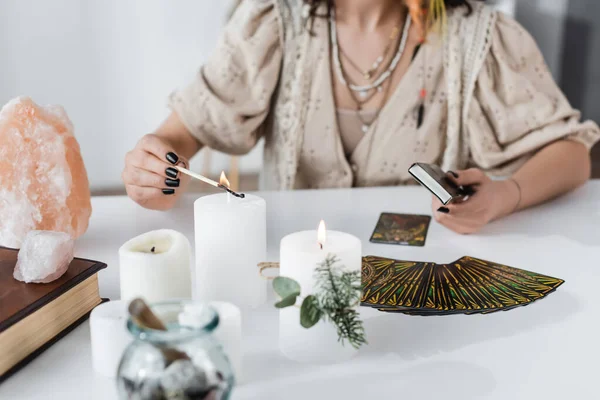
x=321 y=245
x=152 y=249
x=225 y=188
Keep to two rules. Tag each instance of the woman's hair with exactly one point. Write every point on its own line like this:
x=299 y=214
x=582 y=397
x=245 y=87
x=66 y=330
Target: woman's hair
x=315 y=4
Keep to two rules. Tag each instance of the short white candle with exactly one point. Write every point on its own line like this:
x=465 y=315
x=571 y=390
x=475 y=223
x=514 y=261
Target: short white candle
x=231 y=239
x=109 y=336
x=228 y=332
x=156 y=267
x=300 y=255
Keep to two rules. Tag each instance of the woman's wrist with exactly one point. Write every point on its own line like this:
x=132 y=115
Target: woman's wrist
x=510 y=197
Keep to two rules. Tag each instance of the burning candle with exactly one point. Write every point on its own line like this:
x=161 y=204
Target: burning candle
x=156 y=267
x=223 y=181
x=231 y=239
x=300 y=255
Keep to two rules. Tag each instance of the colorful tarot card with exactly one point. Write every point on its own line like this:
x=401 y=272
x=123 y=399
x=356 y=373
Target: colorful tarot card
x=401 y=229
x=509 y=290
x=459 y=295
x=465 y=286
x=380 y=276
x=403 y=291
x=515 y=277
x=426 y=313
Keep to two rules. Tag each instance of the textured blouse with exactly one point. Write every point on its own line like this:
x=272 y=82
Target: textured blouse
x=516 y=108
x=350 y=125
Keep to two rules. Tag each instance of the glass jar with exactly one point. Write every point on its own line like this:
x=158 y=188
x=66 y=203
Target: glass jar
x=180 y=363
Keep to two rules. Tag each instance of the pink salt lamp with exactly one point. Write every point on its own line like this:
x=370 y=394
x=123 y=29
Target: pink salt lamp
x=43 y=183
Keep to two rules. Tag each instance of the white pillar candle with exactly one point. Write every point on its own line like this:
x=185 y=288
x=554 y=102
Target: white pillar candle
x=156 y=267
x=228 y=332
x=301 y=253
x=109 y=336
x=231 y=239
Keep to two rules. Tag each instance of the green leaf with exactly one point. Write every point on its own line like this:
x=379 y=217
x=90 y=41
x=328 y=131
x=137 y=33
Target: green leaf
x=286 y=287
x=287 y=301
x=310 y=313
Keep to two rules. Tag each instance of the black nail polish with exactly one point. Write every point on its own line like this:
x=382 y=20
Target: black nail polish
x=454 y=174
x=444 y=210
x=467 y=191
x=168 y=191
x=172 y=158
x=171 y=172
x=172 y=182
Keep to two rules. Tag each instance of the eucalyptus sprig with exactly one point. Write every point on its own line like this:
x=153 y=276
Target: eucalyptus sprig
x=337 y=293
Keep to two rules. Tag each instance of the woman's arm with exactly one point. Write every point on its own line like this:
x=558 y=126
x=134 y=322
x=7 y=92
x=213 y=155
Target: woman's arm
x=518 y=111
x=222 y=108
x=174 y=132
x=554 y=170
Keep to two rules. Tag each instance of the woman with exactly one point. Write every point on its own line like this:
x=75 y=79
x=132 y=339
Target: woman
x=352 y=92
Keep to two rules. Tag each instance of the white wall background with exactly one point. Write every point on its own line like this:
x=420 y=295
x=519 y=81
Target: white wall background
x=112 y=64
x=545 y=20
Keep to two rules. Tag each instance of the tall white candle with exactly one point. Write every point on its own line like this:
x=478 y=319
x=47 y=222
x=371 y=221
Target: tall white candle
x=301 y=253
x=109 y=336
x=156 y=267
x=231 y=239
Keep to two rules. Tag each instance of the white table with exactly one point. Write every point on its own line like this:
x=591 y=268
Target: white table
x=549 y=350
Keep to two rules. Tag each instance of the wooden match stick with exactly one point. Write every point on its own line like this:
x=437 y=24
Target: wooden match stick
x=209 y=181
x=197 y=176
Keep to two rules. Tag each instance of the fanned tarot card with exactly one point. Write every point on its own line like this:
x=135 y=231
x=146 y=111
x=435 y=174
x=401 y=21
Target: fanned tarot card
x=401 y=229
x=466 y=286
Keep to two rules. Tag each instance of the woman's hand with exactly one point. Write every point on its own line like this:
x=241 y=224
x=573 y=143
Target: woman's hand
x=149 y=176
x=492 y=200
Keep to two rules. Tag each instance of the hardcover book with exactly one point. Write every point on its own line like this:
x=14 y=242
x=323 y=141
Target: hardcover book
x=33 y=316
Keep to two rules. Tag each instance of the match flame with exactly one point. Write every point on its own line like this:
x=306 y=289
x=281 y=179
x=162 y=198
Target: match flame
x=223 y=180
x=321 y=234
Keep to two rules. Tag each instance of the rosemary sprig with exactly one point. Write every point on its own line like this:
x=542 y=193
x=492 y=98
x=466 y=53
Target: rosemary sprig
x=337 y=294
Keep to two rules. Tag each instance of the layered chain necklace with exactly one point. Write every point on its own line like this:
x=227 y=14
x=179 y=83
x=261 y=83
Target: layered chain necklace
x=368 y=74
x=363 y=91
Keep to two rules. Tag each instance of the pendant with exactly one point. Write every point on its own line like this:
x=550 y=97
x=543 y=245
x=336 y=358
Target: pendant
x=363 y=94
x=367 y=76
x=365 y=128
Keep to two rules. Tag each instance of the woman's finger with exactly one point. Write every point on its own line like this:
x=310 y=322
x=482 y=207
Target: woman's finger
x=144 y=178
x=472 y=176
x=461 y=214
x=472 y=207
x=144 y=160
x=159 y=148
